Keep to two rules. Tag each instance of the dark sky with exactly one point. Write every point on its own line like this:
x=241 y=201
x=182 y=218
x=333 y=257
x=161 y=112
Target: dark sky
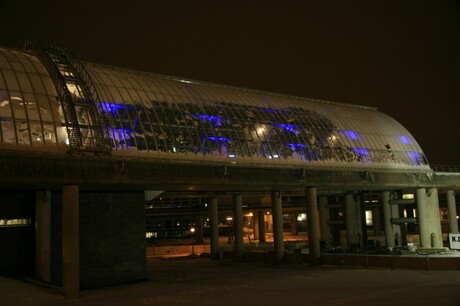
x=402 y=57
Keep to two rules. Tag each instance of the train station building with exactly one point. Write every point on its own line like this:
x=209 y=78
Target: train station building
x=93 y=156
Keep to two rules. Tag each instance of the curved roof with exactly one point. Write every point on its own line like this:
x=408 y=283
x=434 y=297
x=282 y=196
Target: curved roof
x=168 y=118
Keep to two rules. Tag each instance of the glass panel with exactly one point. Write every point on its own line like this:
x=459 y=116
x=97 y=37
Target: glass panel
x=24 y=82
x=36 y=132
x=17 y=103
x=49 y=87
x=31 y=107
x=37 y=84
x=11 y=81
x=8 y=130
x=22 y=131
x=49 y=134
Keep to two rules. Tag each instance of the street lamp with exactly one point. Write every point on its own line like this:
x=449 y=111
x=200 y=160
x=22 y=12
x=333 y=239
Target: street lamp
x=192 y=230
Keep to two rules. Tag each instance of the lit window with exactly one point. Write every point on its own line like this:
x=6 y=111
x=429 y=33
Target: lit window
x=404 y=139
x=408 y=196
x=352 y=135
x=15 y=222
x=369 y=218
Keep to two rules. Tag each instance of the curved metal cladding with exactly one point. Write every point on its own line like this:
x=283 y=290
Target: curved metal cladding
x=164 y=116
x=167 y=118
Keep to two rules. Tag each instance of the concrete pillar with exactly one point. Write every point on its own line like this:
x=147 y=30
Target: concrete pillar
x=277 y=212
x=238 y=225
x=313 y=225
x=423 y=218
x=256 y=225
x=452 y=211
x=428 y=218
x=388 y=227
x=214 y=227
x=70 y=242
x=396 y=227
x=353 y=219
x=43 y=235
x=199 y=229
x=402 y=227
x=261 y=227
x=376 y=227
x=293 y=218
x=325 y=227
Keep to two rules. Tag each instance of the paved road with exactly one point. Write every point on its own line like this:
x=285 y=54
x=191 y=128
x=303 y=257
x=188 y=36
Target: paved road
x=205 y=282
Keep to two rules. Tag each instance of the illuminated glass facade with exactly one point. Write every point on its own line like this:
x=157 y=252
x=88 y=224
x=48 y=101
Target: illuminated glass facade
x=30 y=113
x=154 y=116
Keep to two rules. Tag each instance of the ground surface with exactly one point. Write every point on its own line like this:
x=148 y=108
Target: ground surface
x=206 y=282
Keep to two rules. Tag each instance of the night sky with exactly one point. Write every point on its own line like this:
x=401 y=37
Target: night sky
x=402 y=57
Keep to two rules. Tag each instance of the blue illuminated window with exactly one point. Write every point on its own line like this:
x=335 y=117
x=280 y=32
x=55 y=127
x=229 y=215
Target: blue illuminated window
x=222 y=139
x=361 y=152
x=296 y=145
x=216 y=120
x=114 y=108
x=288 y=127
x=415 y=157
x=404 y=139
x=352 y=135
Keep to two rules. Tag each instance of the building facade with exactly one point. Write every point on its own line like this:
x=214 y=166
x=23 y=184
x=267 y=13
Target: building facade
x=84 y=146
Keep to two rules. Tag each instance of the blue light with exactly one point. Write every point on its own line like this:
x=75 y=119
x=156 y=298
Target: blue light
x=296 y=145
x=274 y=111
x=121 y=130
x=415 y=157
x=288 y=127
x=405 y=139
x=363 y=152
x=214 y=119
x=222 y=139
x=267 y=109
x=113 y=107
x=352 y=135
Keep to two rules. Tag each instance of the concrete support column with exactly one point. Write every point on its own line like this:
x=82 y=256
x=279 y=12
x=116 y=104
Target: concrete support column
x=214 y=227
x=43 y=235
x=353 y=219
x=428 y=218
x=256 y=225
x=325 y=227
x=313 y=225
x=396 y=227
x=452 y=211
x=70 y=242
x=199 y=229
x=388 y=227
x=294 y=223
x=277 y=211
x=376 y=227
x=238 y=225
x=261 y=227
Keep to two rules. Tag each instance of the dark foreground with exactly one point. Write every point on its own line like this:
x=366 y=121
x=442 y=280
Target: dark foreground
x=206 y=282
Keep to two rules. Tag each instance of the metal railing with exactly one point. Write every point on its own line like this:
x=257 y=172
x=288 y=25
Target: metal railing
x=56 y=58
x=446 y=168
x=70 y=116
x=91 y=97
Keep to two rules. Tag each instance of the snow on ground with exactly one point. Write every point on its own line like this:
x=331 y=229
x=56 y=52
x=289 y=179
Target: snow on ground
x=201 y=281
